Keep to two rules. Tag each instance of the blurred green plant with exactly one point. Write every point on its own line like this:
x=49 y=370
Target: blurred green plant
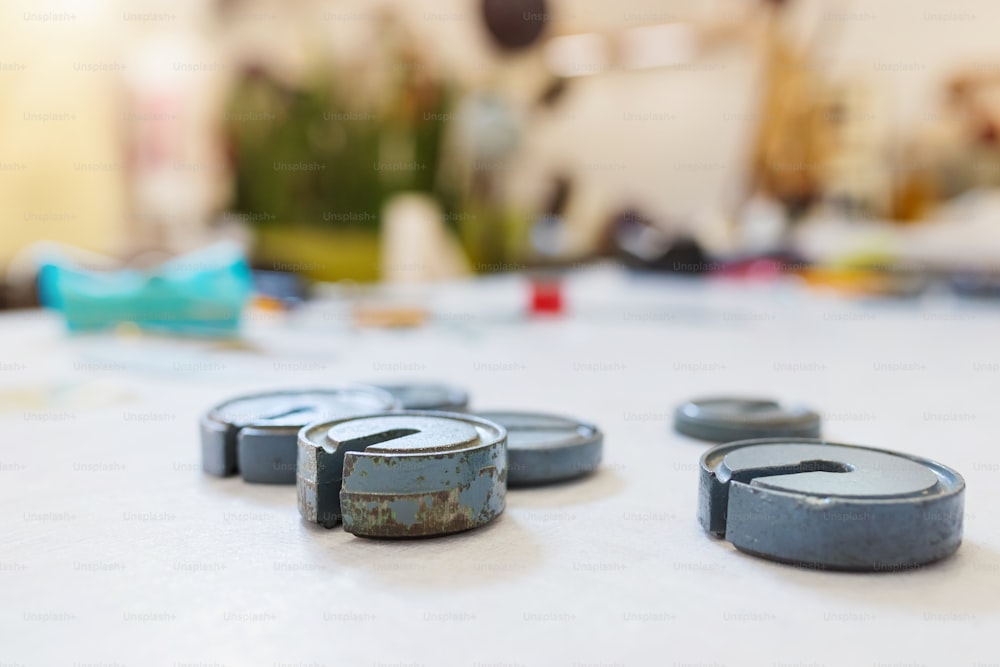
x=307 y=155
x=316 y=160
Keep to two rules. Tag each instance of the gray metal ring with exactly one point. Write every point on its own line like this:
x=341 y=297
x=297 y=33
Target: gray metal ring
x=428 y=396
x=405 y=474
x=257 y=434
x=727 y=419
x=544 y=448
x=828 y=505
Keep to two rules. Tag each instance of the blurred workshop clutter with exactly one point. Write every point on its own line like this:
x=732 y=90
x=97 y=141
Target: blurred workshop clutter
x=427 y=139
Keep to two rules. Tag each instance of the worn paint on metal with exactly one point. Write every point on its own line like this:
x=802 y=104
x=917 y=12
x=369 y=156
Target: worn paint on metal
x=407 y=474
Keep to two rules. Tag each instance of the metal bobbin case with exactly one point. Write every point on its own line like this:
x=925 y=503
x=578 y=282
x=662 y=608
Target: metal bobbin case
x=256 y=435
x=831 y=506
x=405 y=474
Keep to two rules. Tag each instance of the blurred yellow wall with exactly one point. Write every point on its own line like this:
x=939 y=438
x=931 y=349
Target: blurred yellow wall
x=61 y=170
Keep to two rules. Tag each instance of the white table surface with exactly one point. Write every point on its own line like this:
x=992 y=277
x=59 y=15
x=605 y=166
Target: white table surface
x=117 y=550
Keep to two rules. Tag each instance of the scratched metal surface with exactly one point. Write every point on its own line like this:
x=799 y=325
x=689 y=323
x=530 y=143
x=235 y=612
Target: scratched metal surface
x=408 y=474
x=116 y=548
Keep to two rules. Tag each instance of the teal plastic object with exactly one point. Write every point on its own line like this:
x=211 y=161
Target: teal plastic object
x=202 y=293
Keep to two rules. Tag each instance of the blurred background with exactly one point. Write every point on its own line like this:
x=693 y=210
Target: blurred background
x=853 y=144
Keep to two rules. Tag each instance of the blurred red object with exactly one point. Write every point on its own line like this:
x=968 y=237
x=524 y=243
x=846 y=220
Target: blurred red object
x=546 y=296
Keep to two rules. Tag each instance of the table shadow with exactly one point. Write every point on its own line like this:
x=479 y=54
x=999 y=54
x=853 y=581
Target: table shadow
x=951 y=589
x=499 y=552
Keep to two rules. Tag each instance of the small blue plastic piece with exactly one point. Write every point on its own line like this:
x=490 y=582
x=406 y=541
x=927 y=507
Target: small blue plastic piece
x=202 y=293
